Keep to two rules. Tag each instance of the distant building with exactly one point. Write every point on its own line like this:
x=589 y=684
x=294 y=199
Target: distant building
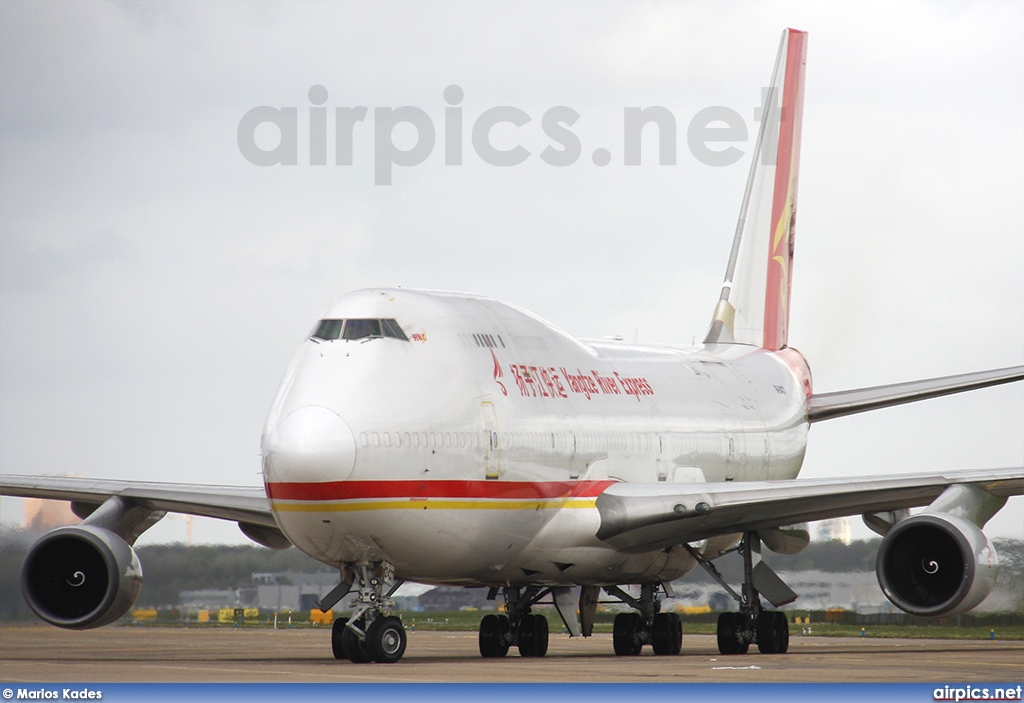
x=817 y=590
x=277 y=592
x=457 y=598
x=837 y=529
x=823 y=590
x=215 y=599
x=45 y=515
x=290 y=590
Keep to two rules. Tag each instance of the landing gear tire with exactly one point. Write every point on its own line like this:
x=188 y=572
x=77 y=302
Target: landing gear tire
x=772 y=632
x=783 y=628
x=769 y=637
x=730 y=635
x=352 y=647
x=533 y=636
x=667 y=634
x=337 y=630
x=493 y=640
x=385 y=640
x=626 y=634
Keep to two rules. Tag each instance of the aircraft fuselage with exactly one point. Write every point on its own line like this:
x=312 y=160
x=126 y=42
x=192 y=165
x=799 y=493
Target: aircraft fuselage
x=472 y=451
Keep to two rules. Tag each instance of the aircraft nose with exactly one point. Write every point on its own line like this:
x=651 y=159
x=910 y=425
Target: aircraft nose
x=311 y=444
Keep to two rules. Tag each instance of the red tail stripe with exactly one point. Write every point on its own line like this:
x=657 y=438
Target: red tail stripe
x=352 y=490
x=776 y=313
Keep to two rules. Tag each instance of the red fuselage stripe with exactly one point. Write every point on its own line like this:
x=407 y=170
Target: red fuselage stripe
x=354 y=490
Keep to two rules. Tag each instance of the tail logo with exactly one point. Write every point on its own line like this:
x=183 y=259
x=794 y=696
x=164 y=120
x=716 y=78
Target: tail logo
x=498 y=373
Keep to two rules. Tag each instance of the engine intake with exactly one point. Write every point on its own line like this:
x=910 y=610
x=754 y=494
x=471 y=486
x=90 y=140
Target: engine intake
x=936 y=564
x=81 y=577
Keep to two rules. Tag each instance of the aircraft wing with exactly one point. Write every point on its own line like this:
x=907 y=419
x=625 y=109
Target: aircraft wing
x=244 y=505
x=824 y=406
x=640 y=517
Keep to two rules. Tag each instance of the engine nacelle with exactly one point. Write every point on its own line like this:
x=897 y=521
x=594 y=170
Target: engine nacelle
x=936 y=564
x=81 y=577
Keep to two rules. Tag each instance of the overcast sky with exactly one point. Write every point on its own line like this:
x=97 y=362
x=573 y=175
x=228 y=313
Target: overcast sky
x=154 y=283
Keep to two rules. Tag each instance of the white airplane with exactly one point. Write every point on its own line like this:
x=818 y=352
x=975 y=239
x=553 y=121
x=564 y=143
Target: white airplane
x=449 y=438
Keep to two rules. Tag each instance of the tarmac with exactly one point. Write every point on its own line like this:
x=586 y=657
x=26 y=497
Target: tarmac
x=44 y=654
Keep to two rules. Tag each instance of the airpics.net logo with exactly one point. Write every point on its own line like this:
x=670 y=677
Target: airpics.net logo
x=269 y=136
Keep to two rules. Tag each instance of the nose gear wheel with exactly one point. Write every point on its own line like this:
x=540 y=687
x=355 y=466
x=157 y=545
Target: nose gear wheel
x=369 y=634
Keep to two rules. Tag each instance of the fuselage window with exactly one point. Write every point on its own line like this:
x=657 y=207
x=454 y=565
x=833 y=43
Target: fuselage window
x=328 y=329
x=488 y=340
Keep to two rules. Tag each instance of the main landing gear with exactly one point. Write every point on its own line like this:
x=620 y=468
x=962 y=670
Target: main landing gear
x=369 y=635
x=518 y=628
x=631 y=631
x=521 y=628
x=753 y=624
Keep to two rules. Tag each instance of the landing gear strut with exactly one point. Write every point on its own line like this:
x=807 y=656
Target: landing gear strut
x=369 y=635
x=753 y=624
x=518 y=628
x=631 y=631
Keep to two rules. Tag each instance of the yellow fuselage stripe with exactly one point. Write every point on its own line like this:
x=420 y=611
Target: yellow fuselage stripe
x=430 y=504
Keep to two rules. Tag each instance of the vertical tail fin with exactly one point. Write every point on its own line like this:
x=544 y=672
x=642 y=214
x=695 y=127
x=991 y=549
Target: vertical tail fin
x=754 y=305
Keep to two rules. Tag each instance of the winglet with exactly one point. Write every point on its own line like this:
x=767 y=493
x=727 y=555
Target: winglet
x=754 y=304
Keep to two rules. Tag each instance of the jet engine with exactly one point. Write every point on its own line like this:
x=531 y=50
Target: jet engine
x=936 y=564
x=81 y=577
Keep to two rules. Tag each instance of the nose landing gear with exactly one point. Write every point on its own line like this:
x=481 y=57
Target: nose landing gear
x=369 y=635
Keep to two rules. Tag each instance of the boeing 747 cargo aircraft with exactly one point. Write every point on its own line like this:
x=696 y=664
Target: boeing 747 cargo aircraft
x=449 y=438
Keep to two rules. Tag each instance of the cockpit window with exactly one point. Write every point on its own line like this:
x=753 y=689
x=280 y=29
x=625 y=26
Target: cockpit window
x=361 y=329
x=391 y=329
x=330 y=330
